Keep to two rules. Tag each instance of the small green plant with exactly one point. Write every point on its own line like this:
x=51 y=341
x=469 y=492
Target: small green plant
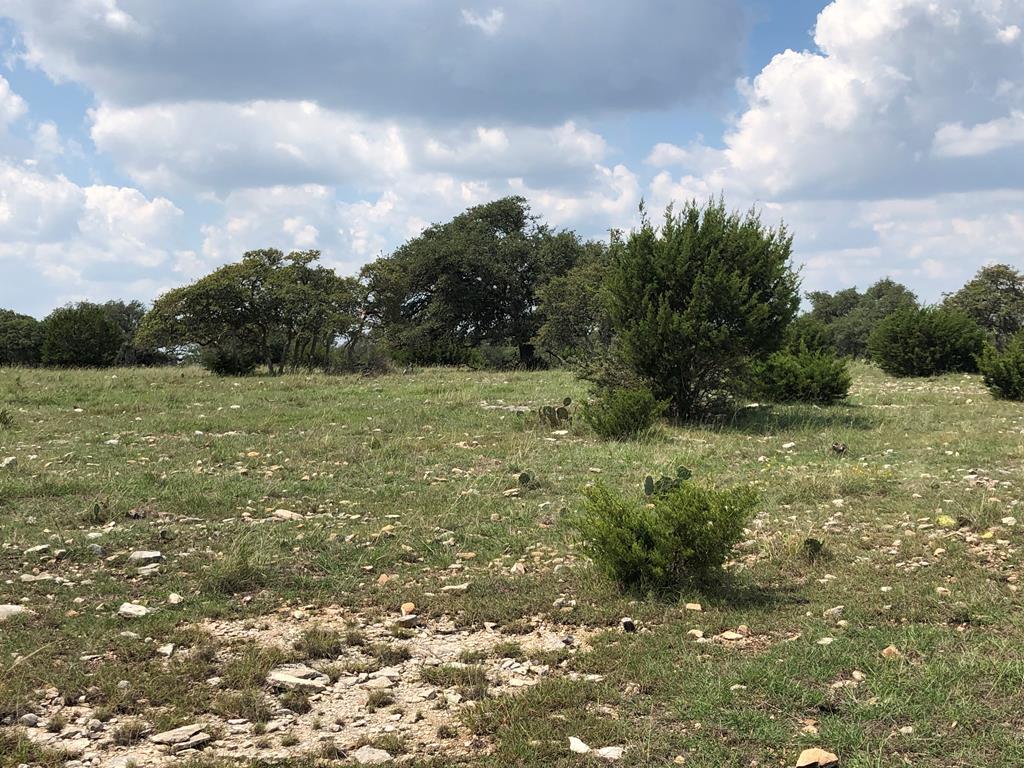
x=664 y=484
x=289 y=740
x=802 y=377
x=249 y=704
x=378 y=700
x=622 y=414
x=556 y=416
x=389 y=655
x=238 y=571
x=296 y=701
x=57 y=723
x=319 y=643
x=667 y=541
x=130 y=733
x=1003 y=371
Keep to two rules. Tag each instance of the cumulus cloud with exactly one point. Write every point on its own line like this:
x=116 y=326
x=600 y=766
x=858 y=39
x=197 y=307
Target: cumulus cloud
x=446 y=60
x=12 y=106
x=76 y=242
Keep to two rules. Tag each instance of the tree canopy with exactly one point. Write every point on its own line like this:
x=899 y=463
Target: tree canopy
x=472 y=280
x=270 y=308
x=994 y=298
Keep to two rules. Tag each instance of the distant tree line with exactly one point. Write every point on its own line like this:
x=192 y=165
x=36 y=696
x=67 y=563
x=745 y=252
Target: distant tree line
x=700 y=307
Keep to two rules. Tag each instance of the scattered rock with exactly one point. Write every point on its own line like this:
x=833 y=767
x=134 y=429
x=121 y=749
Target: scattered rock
x=7 y=611
x=578 y=747
x=891 y=652
x=29 y=720
x=9 y=462
x=145 y=557
x=174 y=598
x=177 y=735
x=298 y=677
x=287 y=514
x=694 y=607
x=132 y=610
x=816 y=758
x=368 y=755
x=628 y=625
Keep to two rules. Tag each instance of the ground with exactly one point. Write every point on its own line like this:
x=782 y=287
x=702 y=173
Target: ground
x=294 y=516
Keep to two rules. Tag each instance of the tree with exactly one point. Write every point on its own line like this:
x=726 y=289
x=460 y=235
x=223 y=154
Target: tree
x=80 y=336
x=1003 y=370
x=851 y=316
x=21 y=339
x=697 y=301
x=572 y=315
x=994 y=298
x=471 y=281
x=927 y=341
x=270 y=308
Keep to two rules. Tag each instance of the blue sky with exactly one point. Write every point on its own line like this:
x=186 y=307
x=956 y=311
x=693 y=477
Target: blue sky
x=143 y=143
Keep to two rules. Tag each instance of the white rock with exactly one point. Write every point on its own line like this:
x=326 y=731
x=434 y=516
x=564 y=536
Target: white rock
x=287 y=514
x=145 y=557
x=298 y=677
x=178 y=735
x=611 y=754
x=7 y=611
x=368 y=755
x=9 y=462
x=577 y=746
x=166 y=650
x=174 y=598
x=132 y=610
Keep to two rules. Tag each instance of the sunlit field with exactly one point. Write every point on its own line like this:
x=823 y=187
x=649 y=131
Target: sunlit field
x=280 y=524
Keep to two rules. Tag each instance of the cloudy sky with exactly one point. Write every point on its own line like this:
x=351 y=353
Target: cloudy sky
x=144 y=142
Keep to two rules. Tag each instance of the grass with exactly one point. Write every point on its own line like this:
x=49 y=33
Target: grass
x=401 y=475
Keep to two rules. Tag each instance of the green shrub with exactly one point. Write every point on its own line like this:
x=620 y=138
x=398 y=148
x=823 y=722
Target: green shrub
x=670 y=540
x=622 y=414
x=1004 y=371
x=693 y=301
x=80 y=336
x=804 y=377
x=927 y=342
x=230 y=358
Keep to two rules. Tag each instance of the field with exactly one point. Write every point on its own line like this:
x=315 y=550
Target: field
x=294 y=516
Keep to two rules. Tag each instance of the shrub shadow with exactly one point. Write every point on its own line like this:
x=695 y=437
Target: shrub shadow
x=770 y=419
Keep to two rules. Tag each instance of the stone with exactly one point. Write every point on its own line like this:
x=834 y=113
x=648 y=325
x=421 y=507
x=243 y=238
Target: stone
x=8 y=611
x=178 y=735
x=408 y=609
x=132 y=611
x=166 y=650
x=694 y=607
x=145 y=557
x=37 y=550
x=96 y=550
x=817 y=758
x=10 y=462
x=628 y=625
x=611 y=754
x=298 y=677
x=287 y=514
x=408 y=621
x=367 y=755
x=174 y=598
x=456 y=587
x=29 y=720
x=577 y=747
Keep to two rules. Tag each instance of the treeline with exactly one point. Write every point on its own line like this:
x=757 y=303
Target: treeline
x=698 y=308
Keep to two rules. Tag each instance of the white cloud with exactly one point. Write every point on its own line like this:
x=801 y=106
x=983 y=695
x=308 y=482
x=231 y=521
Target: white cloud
x=489 y=24
x=73 y=242
x=955 y=140
x=12 y=106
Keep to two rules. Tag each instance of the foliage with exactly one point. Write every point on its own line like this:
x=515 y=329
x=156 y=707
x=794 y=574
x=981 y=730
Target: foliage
x=927 y=342
x=230 y=357
x=472 y=280
x=1003 y=371
x=621 y=413
x=694 y=302
x=803 y=376
x=21 y=339
x=811 y=333
x=572 y=314
x=81 y=335
x=850 y=316
x=666 y=541
x=283 y=311
x=994 y=299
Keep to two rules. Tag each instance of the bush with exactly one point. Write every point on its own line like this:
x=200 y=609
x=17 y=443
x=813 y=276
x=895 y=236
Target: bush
x=803 y=377
x=694 y=301
x=622 y=414
x=1004 y=371
x=927 y=342
x=230 y=358
x=21 y=339
x=674 y=538
x=80 y=336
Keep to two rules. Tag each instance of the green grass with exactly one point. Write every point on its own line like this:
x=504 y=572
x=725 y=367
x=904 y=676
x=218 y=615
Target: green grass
x=401 y=474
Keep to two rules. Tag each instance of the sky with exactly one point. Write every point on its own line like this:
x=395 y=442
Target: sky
x=143 y=143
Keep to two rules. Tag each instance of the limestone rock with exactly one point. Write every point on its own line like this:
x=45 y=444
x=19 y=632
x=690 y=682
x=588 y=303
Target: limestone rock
x=132 y=610
x=145 y=557
x=368 y=755
x=298 y=677
x=7 y=611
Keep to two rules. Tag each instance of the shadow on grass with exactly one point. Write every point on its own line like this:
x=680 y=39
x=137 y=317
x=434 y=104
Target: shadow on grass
x=770 y=419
